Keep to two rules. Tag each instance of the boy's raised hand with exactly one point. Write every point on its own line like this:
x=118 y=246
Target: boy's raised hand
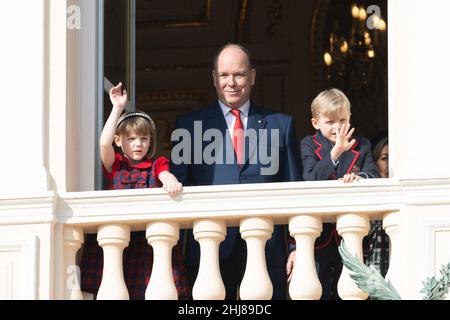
x=343 y=135
x=117 y=97
x=343 y=143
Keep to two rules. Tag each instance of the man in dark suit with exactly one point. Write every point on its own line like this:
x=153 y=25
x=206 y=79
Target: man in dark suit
x=249 y=132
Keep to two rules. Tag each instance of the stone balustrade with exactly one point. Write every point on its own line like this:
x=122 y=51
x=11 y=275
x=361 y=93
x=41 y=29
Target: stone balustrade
x=208 y=211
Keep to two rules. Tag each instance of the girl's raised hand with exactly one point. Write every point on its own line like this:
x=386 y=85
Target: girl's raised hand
x=117 y=97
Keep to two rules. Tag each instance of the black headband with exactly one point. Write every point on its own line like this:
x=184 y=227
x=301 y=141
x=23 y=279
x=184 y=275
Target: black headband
x=135 y=114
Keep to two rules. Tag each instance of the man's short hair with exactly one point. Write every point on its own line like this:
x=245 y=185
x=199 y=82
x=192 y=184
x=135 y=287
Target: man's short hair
x=230 y=45
x=329 y=102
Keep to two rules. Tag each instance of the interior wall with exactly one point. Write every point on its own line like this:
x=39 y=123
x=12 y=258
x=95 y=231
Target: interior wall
x=176 y=43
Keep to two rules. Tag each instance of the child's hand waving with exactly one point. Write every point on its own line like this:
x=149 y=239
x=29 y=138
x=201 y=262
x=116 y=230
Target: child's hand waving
x=343 y=135
x=343 y=143
x=118 y=98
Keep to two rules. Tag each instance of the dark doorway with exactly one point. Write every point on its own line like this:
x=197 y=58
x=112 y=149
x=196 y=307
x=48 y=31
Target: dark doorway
x=176 y=41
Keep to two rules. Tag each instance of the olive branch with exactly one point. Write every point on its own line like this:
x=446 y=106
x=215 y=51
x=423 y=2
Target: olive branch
x=437 y=289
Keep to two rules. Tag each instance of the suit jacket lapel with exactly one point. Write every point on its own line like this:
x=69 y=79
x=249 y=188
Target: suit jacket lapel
x=255 y=123
x=323 y=146
x=348 y=160
x=216 y=120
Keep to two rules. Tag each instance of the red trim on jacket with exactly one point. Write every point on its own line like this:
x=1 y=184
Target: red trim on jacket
x=332 y=236
x=356 y=153
x=319 y=147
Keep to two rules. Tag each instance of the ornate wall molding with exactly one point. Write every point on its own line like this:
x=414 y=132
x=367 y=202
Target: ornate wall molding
x=275 y=16
x=244 y=13
x=318 y=25
x=201 y=19
x=172 y=96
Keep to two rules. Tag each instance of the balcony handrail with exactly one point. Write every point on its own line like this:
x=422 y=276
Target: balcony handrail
x=278 y=201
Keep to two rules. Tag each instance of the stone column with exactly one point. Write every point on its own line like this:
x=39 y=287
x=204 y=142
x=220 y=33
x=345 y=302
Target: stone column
x=113 y=238
x=305 y=284
x=256 y=284
x=209 y=284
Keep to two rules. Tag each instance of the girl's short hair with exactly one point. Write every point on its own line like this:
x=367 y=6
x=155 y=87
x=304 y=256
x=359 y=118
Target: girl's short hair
x=329 y=102
x=140 y=123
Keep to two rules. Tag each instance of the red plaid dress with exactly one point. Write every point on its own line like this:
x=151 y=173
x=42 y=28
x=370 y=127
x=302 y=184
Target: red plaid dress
x=138 y=256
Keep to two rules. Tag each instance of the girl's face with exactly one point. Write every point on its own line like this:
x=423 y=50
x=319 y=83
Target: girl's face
x=382 y=162
x=134 y=146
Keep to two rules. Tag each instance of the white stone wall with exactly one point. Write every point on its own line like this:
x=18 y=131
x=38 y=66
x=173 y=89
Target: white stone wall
x=23 y=102
x=419 y=104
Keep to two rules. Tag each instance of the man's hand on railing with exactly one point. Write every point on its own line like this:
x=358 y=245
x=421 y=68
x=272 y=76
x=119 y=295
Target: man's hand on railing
x=290 y=265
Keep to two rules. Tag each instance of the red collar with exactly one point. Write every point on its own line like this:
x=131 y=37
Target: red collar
x=147 y=163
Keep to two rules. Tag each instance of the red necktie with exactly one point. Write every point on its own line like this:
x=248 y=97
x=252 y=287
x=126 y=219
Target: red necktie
x=238 y=136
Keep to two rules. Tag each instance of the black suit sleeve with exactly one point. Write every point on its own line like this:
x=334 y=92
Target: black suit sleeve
x=182 y=171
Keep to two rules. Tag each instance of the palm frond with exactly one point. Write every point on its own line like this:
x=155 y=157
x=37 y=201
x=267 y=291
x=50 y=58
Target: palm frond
x=367 y=278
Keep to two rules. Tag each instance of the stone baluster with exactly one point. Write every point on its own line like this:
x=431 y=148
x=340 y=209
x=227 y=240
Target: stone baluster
x=113 y=238
x=352 y=227
x=209 y=284
x=73 y=239
x=391 y=224
x=305 y=284
x=256 y=284
x=162 y=236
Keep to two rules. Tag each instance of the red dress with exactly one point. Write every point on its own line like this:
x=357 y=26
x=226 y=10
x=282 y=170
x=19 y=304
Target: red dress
x=138 y=256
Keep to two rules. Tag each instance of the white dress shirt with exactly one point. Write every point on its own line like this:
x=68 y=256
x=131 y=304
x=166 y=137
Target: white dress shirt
x=231 y=119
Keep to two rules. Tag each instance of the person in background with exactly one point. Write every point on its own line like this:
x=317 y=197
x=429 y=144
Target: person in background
x=376 y=244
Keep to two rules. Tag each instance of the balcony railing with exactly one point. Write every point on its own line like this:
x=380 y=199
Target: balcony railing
x=255 y=208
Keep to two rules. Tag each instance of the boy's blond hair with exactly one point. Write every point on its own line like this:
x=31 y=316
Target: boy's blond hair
x=329 y=103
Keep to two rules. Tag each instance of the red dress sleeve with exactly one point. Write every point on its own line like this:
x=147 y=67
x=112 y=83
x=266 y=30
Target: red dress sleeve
x=109 y=175
x=161 y=164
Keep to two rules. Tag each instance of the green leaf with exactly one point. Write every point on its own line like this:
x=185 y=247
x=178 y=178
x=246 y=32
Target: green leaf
x=367 y=278
x=437 y=289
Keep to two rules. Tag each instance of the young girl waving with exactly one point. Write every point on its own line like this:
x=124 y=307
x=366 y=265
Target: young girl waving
x=134 y=166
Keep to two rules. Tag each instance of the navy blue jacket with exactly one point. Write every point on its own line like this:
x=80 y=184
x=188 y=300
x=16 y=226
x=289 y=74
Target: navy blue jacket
x=200 y=174
x=317 y=164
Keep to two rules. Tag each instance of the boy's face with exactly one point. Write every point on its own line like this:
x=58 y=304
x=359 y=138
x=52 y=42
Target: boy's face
x=134 y=146
x=328 y=125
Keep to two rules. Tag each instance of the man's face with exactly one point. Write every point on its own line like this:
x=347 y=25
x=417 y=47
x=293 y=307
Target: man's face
x=328 y=125
x=233 y=78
